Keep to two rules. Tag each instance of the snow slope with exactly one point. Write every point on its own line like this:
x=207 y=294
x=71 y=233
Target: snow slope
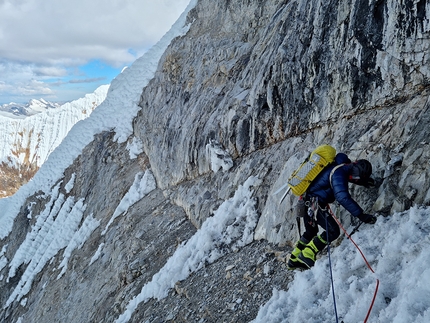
x=397 y=250
x=33 y=138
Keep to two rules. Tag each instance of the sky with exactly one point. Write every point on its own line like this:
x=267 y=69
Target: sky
x=60 y=50
x=396 y=247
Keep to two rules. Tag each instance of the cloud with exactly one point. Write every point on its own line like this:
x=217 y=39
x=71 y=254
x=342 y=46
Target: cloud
x=18 y=80
x=42 y=39
x=34 y=88
x=49 y=71
x=31 y=88
x=90 y=80
x=47 y=31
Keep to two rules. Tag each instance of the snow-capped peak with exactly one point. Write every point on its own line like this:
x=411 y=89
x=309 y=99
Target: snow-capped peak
x=21 y=111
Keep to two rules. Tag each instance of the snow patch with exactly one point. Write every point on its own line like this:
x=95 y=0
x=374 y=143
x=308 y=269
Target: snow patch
x=135 y=148
x=144 y=183
x=97 y=254
x=70 y=184
x=218 y=157
x=77 y=241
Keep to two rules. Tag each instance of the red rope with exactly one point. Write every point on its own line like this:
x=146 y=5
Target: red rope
x=373 y=301
x=365 y=260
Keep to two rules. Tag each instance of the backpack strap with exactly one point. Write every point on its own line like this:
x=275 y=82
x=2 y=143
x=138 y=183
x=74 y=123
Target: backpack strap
x=332 y=172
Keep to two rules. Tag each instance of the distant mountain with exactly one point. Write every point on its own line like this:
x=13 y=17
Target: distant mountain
x=30 y=132
x=17 y=110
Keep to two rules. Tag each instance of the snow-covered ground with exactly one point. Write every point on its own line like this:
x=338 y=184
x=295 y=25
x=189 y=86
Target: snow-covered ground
x=396 y=248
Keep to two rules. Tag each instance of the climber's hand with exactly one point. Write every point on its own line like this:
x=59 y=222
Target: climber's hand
x=367 y=218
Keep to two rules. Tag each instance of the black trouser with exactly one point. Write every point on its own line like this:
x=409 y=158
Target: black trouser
x=330 y=225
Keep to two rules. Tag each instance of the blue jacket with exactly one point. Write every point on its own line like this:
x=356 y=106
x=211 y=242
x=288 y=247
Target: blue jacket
x=321 y=188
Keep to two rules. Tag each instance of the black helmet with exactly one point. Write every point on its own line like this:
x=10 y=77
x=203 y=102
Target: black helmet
x=361 y=171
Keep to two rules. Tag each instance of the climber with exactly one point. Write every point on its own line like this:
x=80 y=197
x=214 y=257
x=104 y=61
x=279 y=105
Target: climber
x=330 y=185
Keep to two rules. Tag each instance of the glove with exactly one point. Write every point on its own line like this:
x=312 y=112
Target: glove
x=370 y=182
x=373 y=182
x=367 y=218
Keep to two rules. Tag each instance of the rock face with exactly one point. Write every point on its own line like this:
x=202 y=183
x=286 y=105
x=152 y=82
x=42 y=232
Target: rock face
x=289 y=77
x=247 y=92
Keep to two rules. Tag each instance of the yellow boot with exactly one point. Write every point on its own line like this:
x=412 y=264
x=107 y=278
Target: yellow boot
x=293 y=262
x=308 y=255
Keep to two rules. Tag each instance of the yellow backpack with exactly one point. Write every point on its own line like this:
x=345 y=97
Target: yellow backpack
x=318 y=159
